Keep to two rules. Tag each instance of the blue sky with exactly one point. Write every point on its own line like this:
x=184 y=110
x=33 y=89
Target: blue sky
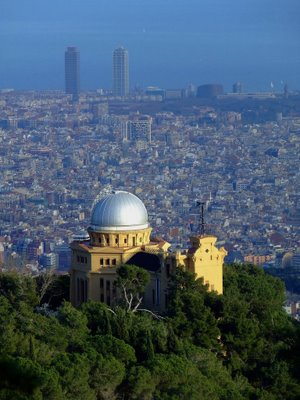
x=171 y=43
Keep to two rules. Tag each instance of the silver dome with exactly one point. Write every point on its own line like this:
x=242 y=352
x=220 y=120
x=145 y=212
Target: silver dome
x=119 y=211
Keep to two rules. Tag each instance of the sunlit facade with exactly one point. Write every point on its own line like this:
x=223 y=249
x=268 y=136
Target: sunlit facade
x=120 y=233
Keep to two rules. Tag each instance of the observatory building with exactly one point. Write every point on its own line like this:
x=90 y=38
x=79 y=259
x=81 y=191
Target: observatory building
x=119 y=233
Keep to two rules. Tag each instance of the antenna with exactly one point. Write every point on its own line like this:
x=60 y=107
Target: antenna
x=202 y=224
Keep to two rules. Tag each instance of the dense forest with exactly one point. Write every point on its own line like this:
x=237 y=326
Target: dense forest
x=289 y=275
x=240 y=345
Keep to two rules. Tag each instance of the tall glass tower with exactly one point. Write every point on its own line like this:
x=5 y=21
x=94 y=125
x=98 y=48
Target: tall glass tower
x=120 y=72
x=72 y=78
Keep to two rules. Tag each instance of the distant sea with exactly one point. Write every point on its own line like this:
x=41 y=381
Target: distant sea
x=171 y=43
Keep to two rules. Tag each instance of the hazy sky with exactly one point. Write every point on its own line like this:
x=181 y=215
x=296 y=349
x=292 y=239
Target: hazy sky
x=171 y=43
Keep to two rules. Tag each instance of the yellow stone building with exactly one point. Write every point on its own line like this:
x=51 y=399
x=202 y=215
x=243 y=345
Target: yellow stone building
x=120 y=233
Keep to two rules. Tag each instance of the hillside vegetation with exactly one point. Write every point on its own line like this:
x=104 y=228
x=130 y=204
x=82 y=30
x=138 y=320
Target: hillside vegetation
x=240 y=345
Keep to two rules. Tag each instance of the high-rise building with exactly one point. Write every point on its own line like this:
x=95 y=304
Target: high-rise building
x=140 y=128
x=120 y=72
x=72 y=78
x=237 y=87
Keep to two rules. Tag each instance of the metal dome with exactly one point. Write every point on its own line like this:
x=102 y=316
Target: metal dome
x=119 y=211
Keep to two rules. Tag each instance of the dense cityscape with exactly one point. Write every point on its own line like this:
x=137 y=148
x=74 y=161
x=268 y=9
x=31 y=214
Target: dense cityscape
x=149 y=200
x=57 y=156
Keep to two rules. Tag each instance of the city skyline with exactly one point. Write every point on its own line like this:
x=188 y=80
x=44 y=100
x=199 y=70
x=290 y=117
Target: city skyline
x=171 y=44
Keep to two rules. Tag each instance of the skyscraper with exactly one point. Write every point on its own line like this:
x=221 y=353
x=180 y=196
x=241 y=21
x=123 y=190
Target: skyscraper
x=120 y=72
x=72 y=78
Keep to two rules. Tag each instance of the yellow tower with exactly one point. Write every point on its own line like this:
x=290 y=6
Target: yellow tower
x=204 y=259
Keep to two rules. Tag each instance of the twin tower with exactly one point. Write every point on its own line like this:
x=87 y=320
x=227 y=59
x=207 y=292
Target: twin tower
x=120 y=233
x=120 y=72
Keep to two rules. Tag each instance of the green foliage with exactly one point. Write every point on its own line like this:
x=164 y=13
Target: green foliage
x=106 y=375
x=20 y=378
x=18 y=288
x=140 y=384
x=98 y=317
x=289 y=275
x=53 y=289
x=76 y=325
x=7 y=323
x=256 y=332
x=108 y=345
x=133 y=278
x=73 y=370
x=131 y=281
x=179 y=378
x=240 y=345
x=210 y=366
x=189 y=314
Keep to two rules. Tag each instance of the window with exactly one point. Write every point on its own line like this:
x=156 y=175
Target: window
x=114 y=261
x=116 y=240
x=78 y=258
x=107 y=261
x=101 y=283
x=100 y=241
x=125 y=240
x=82 y=290
x=101 y=261
x=82 y=259
x=102 y=297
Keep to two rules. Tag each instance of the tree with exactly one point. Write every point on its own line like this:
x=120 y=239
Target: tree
x=18 y=288
x=140 y=384
x=188 y=310
x=240 y=345
x=75 y=323
x=178 y=378
x=8 y=335
x=99 y=317
x=132 y=281
x=52 y=289
x=20 y=379
x=73 y=370
x=108 y=345
x=255 y=330
x=106 y=375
